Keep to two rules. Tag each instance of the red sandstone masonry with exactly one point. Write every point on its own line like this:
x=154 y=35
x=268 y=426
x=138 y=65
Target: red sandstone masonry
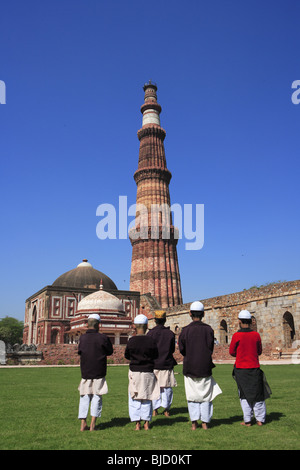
x=154 y=266
x=66 y=354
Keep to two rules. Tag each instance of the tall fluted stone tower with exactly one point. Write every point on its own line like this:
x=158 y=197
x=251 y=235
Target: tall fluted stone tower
x=154 y=266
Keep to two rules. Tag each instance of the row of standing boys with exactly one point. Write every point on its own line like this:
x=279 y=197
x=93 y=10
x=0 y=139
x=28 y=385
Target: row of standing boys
x=151 y=370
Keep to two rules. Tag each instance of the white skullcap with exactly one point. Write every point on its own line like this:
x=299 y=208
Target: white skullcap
x=197 y=307
x=141 y=320
x=244 y=315
x=94 y=315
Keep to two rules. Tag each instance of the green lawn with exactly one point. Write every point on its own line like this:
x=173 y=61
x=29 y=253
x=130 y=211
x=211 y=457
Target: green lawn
x=38 y=410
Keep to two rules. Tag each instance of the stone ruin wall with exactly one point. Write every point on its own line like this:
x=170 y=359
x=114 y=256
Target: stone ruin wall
x=267 y=305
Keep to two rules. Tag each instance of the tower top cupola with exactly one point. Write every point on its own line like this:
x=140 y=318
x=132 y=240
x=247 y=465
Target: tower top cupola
x=150 y=109
x=150 y=90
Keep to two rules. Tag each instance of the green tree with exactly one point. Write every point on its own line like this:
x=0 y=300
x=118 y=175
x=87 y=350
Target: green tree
x=11 y=330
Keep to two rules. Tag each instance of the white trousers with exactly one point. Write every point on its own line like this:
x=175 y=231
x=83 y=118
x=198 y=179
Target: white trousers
x=165 y=399
x=84 y=403
x=200 y=410
x=258 y=409
x=139 y=409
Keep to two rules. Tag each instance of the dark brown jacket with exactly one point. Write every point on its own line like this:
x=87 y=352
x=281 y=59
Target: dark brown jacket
x=93 y=348
x=196 y=344
x=141 y=351
x=165 y=340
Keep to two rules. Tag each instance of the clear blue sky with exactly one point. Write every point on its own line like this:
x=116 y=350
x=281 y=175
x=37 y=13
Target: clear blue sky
x=74 y=71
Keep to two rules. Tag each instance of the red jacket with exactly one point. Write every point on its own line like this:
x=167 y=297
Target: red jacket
x=246 y=346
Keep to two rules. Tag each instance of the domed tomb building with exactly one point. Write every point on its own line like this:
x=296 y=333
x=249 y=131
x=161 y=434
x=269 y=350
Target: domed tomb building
x=114 y=321
x=53 y=316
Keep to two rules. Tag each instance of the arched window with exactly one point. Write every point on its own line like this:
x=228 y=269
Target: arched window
x=223 y=332
x=288 y=329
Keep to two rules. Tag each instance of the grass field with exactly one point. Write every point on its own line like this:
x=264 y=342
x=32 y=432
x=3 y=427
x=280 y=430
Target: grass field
x=38 y=411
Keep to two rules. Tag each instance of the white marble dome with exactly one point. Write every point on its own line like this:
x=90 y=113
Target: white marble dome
x=101 y=302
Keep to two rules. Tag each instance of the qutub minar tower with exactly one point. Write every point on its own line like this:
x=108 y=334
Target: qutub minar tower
x=154 y=266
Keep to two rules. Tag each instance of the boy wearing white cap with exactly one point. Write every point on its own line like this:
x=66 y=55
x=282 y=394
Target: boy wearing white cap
x=141 y=351
x=253 y=388
x=196 y=344
x=93 y=347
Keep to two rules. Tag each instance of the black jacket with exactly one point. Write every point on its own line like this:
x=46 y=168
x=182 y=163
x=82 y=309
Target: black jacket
x=165 y=340
x=93 y=348
x=141 y=351
x=196 y=344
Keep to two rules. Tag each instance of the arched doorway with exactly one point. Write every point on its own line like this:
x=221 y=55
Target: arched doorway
x=253 y=324
x=288 y=329
x=33 y=325
x=223 y=332
x=54 y=336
